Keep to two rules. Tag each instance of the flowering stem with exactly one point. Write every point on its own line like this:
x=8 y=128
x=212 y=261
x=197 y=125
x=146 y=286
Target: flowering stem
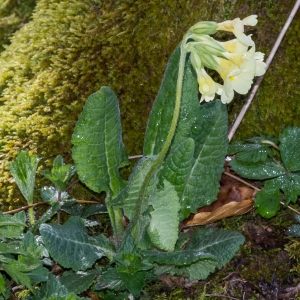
x=167 y=144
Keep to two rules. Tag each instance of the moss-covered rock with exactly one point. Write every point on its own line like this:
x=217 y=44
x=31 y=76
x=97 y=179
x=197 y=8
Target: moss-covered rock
x=13 y=15
x=71 y=48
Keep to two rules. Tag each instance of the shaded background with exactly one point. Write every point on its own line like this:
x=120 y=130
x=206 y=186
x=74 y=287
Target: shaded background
x=56 y=53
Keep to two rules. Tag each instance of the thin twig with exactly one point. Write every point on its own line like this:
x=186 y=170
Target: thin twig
x=221 y=296
x=43 y=203
x=135 y=156
x=257 y=189
x=259 y=79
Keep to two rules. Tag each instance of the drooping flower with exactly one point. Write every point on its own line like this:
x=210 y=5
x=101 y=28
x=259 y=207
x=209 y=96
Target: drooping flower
x=234 y=46
x=232 y=60
x=236 y=26
x=207 y=86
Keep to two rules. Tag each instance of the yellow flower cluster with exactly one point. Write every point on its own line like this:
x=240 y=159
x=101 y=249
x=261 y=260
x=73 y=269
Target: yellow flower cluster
x=232 y=60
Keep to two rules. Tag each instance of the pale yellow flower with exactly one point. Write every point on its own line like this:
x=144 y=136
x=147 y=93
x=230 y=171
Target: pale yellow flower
x=236 y=26
x=235 y=78
x=207 y=86
x=248 y=59
x=234 y=46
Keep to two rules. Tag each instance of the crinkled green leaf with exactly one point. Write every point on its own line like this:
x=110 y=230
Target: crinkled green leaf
x=222 y=244
x=52 y=289
x=60 y=173
x=267 y=201
x=199 y=270
x=290 y=185
x=78 y=282
x=70 y=245
x=85 y=212
x=110 y=279
x=11 y=227
x=23 y=170
x=39 y=274
x=205 y=124
x=259 y=154
x=259 y=171
x=289 y=148
x=163 y=227
x=177 y=258
x=135 y=282
x=253 y=150
x=210 y=137
x=50 y=194
x=17 y=275
x=179 y=163
x=98 y=150
x=128 y=198
x=129 y=259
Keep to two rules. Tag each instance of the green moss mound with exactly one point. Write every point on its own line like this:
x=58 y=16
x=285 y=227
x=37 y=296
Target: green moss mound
x=13 y=15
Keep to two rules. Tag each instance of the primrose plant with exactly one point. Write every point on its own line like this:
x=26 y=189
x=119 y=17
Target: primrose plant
x=183 y=156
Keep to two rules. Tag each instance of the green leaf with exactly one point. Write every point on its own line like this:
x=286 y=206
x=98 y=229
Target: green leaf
x=23 y=170
x=222 y=244
x=60 y=173
x=289 y=148
x=179 y=163
x=290 y=185
x=39 y=274
x=135 y=282
x=177 y=258
x=205 y=124
x=128 y=198
x=98 y=150
x=253 y=150
x=70 y=245
x=110 y=279
x=50 y=194
x=267 y=201
x=78 y=282
x=85 y=212
x=2 y=285
x=17 y=275
x=163 y=227
x=11 y=227
x=210 y=135
x=51 y=288
x=258 y=171
x=47 y=215
x=163 y=108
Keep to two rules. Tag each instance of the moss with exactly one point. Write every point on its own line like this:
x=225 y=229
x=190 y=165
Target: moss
x=13 y=15
x=293 y=250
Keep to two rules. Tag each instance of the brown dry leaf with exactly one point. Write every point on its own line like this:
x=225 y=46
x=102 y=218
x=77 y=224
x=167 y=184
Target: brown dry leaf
x=227 y=210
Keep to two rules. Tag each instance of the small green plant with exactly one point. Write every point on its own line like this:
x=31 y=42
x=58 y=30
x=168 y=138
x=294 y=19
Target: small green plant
x=184 y=149
x=261 y=159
